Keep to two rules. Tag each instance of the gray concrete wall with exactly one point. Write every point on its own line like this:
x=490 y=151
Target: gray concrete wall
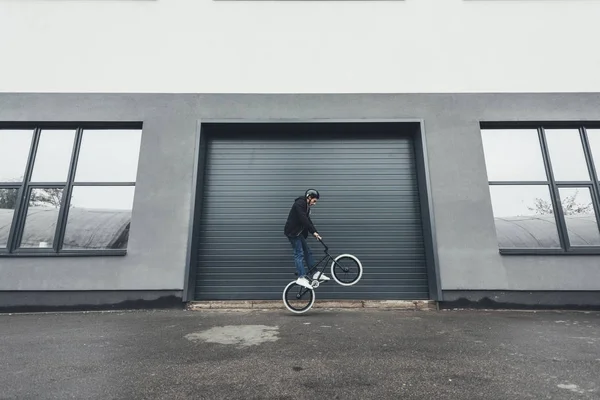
x=465 y=233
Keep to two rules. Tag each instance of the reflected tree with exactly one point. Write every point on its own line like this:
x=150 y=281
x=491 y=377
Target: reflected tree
x=8 y=199
x=570 y=206
x=39 y=197
x=46 y=197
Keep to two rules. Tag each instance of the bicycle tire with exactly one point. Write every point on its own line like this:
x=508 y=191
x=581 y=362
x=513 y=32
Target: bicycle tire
x=293 y=286
x=355 y=260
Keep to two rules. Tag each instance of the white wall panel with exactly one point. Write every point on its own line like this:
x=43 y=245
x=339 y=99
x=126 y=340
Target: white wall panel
x=299 y=46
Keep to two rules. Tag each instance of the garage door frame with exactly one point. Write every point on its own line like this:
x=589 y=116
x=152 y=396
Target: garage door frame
x=428 y=221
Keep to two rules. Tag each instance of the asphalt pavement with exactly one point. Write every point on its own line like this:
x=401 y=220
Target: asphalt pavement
x=325 y=354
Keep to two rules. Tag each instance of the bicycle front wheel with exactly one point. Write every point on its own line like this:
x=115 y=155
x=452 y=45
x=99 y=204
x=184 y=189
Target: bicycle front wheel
x=346 y=269
x=298 y=299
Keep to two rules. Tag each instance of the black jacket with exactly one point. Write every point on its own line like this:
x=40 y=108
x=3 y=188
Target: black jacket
x=298 y=221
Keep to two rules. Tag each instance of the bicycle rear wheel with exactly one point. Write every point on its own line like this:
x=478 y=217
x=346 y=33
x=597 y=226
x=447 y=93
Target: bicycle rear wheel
x=298 y=299
x=346 y=269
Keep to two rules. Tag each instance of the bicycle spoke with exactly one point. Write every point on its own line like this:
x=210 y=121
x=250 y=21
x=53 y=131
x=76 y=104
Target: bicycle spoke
x=298 y=298
x=346 y=270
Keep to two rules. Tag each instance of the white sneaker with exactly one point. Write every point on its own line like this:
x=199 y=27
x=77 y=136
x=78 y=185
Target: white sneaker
x=304 y=282
x=323 y=277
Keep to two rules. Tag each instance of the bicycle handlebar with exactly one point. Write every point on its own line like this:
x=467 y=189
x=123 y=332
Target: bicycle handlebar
x=323 y=243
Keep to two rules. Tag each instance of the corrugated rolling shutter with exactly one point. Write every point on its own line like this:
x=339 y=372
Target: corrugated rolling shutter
x=369 y=207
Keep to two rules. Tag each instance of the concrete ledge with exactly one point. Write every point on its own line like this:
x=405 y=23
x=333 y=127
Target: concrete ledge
x=238 y=304
x=337 y=304
x=412 y=305
x=401 y=304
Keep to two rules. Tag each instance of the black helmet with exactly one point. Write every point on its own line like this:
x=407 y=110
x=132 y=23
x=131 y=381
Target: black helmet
x=312 y=193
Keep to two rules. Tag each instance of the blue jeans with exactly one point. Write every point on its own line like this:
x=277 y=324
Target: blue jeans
x=302 y=253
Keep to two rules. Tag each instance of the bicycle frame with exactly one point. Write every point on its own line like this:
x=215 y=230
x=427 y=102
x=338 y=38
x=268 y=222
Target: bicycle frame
x=327 y=257
x=294 y=288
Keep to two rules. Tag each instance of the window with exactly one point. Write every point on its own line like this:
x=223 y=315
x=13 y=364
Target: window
x=67 y=189
x=544 y=187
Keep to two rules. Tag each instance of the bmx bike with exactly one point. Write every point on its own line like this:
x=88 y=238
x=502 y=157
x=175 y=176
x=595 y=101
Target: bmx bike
x=346 y=270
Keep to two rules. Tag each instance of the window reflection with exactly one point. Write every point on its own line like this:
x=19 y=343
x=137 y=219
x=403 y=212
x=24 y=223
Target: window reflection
x=102 y=191
x=99 y=218
x=513 y=155
x=8 y=204
x=41 y=218
x=524 y=216
x=53 y=156
x=594 y=140
x=108 y=156
x=566 y=155
x=14 y=151
x=580 y=217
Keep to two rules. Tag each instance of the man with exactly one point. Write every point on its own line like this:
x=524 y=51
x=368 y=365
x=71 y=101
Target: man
x=297 y=227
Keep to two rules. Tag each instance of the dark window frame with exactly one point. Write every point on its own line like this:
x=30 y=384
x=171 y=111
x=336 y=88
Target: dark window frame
x=554 y=185
x=26 y=186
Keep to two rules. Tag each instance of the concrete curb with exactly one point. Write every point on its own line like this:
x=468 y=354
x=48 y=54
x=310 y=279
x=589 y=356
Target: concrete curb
x=412 y=305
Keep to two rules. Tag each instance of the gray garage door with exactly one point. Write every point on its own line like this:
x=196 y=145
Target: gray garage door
x=369 y=207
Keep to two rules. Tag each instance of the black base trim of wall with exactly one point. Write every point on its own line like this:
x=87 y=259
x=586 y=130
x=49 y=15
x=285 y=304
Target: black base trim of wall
x=49 y=301
x=521 y=300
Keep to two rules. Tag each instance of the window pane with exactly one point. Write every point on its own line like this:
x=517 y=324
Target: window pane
x=41 y=219
x=566 y=155
x=8 y=204
x=580 y=216
x=524 y=217
x=99 y=218
x=14 y=151
x=513 y=155
x=594 y=139
x=109 y=156
x=53 y=156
